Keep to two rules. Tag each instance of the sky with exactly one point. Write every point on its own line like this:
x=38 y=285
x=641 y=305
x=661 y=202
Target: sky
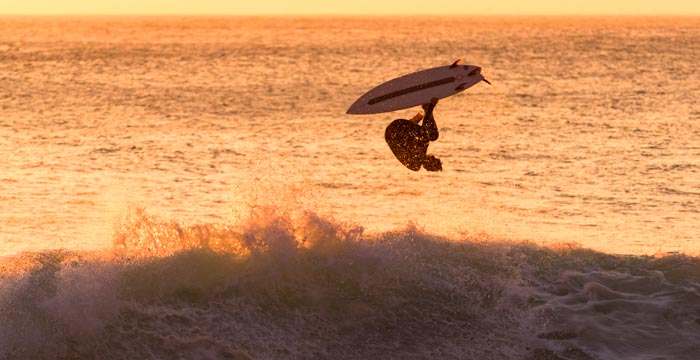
x=351 y=7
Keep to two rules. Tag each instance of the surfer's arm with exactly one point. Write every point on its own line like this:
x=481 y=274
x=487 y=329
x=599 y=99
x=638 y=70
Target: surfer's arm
x=416 y=119
x=429 y=126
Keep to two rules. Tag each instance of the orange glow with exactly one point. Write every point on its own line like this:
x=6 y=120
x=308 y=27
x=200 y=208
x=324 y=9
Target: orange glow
x=356 y=7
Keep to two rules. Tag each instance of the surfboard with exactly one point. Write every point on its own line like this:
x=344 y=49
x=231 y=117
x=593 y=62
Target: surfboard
x=418 y=88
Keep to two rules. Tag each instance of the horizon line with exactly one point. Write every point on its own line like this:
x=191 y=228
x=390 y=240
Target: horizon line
x=361 y=14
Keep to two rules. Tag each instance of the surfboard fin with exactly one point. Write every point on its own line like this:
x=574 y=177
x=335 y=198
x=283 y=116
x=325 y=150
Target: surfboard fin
x=456 y=63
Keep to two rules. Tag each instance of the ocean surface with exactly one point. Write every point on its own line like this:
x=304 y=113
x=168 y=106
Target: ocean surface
x=191 y=188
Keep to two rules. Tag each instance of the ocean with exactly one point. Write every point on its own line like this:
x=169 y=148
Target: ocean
x=192 y=188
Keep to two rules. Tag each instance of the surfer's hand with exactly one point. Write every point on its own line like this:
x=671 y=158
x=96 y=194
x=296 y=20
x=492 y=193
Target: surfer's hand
x=429 y=106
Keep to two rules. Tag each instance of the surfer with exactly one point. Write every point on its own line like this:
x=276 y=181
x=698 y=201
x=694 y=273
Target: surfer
x=409 y=141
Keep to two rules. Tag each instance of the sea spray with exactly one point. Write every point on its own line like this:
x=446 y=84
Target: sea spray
x=309 y=286
x=57 y=305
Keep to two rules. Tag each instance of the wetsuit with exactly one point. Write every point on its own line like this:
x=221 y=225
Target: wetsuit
x=409 y=141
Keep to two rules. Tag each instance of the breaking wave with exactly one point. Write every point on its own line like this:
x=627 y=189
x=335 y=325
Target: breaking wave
x=310 y=287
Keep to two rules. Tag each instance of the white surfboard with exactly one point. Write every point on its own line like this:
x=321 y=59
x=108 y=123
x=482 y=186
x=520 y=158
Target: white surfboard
x=418 y=88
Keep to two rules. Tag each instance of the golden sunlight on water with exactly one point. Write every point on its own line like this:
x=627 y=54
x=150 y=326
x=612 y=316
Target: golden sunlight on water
x=589 y=136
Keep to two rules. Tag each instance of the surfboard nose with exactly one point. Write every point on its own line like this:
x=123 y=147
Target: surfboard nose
x=356 y=107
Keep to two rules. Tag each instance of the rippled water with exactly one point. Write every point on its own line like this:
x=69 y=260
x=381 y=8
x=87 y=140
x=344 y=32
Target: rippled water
x=211 y=196
x=590 y=135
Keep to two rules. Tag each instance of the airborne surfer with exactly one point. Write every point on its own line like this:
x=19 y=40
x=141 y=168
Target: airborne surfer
x=409 y=141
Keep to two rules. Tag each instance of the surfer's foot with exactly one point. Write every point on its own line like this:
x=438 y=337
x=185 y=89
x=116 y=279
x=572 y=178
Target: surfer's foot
x=416 y=119
x=431 y=163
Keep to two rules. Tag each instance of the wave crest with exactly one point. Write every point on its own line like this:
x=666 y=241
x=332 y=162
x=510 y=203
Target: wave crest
x=301 y=285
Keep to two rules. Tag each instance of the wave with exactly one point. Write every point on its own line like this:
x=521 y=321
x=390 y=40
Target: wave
x=308 y=286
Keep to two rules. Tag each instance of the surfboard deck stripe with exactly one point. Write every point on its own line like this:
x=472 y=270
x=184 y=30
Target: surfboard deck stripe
x=411 y=89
